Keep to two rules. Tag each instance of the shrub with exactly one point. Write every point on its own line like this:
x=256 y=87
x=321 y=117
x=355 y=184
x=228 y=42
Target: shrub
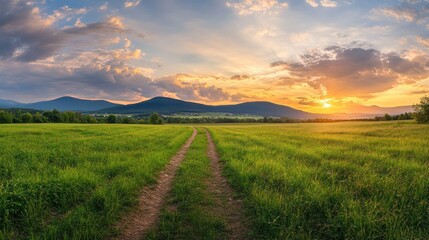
x=422 y=110
x=5 y=117
x=155 y=118
x=111 y=119
x=27 y=117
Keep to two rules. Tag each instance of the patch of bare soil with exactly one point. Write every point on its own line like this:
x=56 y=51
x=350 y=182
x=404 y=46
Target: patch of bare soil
x=228 y=206
x=146 y=215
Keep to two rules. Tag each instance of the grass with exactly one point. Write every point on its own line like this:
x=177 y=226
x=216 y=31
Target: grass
x=74 y=181
x=189 y=213
x=354 y=180
x=330 y=181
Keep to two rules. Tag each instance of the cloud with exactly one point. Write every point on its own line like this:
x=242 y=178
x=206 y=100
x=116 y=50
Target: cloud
x=181 y=86
x=409 y=11
x=112 y=24
x=127 y=43
x=354 y=71
x=313 y=3
x=423 y=41
x=100 y=74
x=104 y=6
x=240 y=77
x=130 y=4
x=67 y=13
x=323 y=3
x=307 y=101
x=26 y=35
x=262 y=7
x=328 y=3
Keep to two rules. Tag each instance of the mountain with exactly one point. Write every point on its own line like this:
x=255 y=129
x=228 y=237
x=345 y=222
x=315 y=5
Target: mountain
x=70 y=104
x=165 y=105
x=8 y=103
x=362 y=109
x=266 y=109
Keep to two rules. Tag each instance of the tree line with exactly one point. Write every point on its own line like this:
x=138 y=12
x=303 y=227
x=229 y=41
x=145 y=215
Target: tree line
x=55 y=116
x=421 y=115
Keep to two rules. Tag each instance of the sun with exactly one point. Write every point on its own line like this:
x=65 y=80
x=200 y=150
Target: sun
x=327 y=105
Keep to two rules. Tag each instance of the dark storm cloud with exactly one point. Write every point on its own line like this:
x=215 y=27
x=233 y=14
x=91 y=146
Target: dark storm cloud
x=351 y=71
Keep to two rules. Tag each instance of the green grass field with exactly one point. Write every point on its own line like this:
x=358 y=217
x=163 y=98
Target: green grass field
x=331 y=181
x=190 y=213
x=355 y=180
x=73 y=181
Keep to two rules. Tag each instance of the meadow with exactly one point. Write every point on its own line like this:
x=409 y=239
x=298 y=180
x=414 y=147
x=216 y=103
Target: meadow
x=61 y=181
x=350 y=180
x=330 y=181
x=190 y=212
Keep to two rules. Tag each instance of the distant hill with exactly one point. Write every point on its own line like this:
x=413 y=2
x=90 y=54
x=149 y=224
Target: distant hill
x=362 y=109
x=164 y=105
x=168 y=106
x=70 y=104
x=8 y=103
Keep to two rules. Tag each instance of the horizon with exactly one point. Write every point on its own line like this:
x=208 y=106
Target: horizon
x=370 y=53
x=208 y=104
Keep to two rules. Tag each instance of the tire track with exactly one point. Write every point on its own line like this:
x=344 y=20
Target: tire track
x=229 y=207
x=139 y=221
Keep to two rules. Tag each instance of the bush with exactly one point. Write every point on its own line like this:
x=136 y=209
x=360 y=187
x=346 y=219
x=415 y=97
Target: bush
x=5 y=117
x=155 y=118
x=127 y=120
x=39 y=118
x=111 y=119
x=422 y=110
x=27 y=117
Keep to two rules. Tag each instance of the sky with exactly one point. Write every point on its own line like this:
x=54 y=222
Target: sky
x=314 y=55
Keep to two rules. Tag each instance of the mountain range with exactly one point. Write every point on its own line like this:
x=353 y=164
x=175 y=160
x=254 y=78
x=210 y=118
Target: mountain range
x=164 y=105
x=62 y=104
x=168 y=106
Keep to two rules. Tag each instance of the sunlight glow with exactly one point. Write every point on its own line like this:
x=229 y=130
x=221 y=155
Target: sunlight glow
x=325 y=103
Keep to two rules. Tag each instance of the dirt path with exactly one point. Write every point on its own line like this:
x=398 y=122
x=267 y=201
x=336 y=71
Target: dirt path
x=152 y=198
x=228 y=206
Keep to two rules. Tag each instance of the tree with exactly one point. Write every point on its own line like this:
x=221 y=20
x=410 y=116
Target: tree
x=128 y=120
x=265 y=120
x=39 y=118
x=27 y=117
x=53 y=116
x=5 y=117
x=422 y=110
x=155 y=118
x=89 y=119
x=111 y=119
x=387 y=117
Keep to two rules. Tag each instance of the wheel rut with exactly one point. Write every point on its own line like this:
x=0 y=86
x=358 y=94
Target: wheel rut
x=134 y=225
x=228 y=205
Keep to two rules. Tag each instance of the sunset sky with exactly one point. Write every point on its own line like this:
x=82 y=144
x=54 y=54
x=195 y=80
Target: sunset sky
x=314 y=55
